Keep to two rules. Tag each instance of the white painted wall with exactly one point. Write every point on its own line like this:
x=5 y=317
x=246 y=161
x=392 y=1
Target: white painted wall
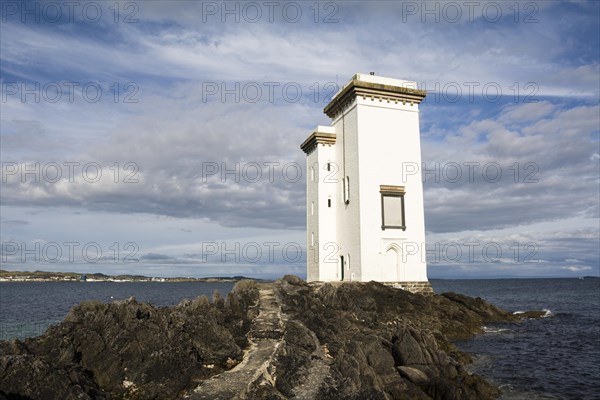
x=327 y=217
x=321 y=227
x=389 y=139
x=312 y=253
x=347 y=215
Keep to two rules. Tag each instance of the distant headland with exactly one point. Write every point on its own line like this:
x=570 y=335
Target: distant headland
x=45 y=276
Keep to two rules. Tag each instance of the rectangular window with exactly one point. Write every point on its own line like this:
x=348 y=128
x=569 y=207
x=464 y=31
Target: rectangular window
x=346 y=190
x=328 y=202
x=392 y=207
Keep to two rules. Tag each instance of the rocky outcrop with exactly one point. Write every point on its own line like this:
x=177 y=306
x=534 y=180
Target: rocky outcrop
x=287 y=340
x=378 y=342
x=130 y=350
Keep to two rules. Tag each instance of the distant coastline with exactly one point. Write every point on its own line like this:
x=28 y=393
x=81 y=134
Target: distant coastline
x=45 y=276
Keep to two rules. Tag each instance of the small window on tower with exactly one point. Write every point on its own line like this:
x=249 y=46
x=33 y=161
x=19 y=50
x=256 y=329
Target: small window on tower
x=312 y=174
x=347 y=190
x=329 y=202
x=392 y=207
x=328 y=166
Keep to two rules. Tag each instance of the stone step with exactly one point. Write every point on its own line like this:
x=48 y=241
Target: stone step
x=266 y=334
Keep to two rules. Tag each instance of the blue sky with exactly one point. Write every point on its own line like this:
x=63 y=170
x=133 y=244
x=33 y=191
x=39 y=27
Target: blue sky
x=162 y=138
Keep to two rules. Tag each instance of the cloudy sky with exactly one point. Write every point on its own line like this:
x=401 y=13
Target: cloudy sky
x=162 y=138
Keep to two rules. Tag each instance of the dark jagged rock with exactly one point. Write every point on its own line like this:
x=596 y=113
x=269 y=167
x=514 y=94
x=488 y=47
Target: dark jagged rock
x=129 y=349
x=25 y=371
x=533 y=314
x=326 y=341
x=382 y=343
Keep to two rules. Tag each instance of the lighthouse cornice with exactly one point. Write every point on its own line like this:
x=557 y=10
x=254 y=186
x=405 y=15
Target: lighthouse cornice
x=374 y=90
x=316 y=138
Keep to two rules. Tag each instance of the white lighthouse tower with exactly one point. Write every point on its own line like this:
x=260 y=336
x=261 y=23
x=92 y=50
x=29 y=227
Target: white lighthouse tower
x=365 y=218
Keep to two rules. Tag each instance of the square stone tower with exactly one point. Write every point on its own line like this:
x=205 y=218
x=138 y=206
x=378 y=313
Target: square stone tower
x=365 y=218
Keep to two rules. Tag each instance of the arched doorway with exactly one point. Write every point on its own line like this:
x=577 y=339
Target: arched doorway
x=394 y=270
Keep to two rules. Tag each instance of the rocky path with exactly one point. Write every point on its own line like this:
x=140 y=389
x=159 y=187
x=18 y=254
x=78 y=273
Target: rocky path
x=265 y=338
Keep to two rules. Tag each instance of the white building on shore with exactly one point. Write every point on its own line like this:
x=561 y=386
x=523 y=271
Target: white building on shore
x=365 y=218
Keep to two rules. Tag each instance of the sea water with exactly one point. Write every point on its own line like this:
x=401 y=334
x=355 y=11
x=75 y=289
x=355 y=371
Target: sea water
x=555 y=357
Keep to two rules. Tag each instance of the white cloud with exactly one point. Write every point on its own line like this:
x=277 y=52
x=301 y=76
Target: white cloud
x=575 y=268
x=527 y=112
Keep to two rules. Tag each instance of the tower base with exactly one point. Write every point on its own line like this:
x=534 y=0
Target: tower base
x=422 y=287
